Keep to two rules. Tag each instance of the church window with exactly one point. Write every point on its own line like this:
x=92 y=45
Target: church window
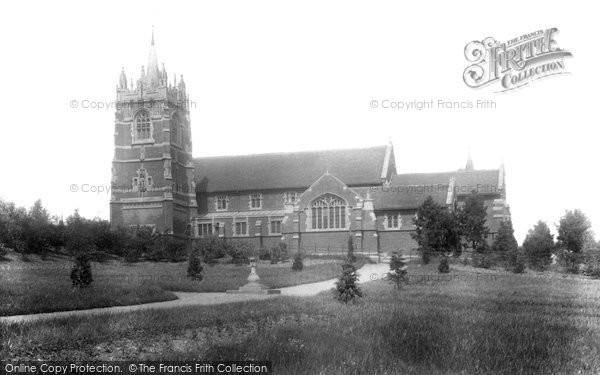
x=255 y=201
x=205 y=229
x=143 y=129
x=392 y=221
x=175 y=130
x=241 y=228
x=275 y=226
x=328 y=212
x=222 y=202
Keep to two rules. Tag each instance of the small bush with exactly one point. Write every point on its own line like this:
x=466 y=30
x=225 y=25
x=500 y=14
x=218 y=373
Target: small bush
x=398 y=271
x=570 y=261
x=592 y=267
x=298 y=264
x=279 y=253
x=240 y=252
x=194 y=270
x=3 y=251
x=264 y=253
x=346 y=288
x=444 y=267
x=81 y=273
x=480 y=260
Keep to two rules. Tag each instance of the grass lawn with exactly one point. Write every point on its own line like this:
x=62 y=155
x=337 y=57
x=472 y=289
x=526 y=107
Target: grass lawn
x=45 y=286
x=492 y=322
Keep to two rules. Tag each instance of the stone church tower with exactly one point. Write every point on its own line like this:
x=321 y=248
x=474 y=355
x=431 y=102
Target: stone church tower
x=152 y=168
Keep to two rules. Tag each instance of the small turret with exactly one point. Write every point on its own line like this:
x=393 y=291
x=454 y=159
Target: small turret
x=123 y=80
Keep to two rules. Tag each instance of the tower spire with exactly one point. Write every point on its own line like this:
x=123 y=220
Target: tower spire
x=469 y=166
x=152 y=72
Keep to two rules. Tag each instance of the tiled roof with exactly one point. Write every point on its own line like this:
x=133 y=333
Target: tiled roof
x=484 y=180
x=355 y=167
x=409 y=191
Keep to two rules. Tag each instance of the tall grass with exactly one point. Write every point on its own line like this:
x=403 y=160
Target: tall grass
x=506 y=324
x=45 y=286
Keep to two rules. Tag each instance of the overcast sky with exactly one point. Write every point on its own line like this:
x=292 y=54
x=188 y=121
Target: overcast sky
x=274 y=76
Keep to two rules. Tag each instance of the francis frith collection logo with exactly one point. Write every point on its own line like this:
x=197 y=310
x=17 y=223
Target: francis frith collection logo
x=514 y=63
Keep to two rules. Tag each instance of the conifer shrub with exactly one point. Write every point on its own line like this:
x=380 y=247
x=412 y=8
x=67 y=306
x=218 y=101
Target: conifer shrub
x=347 y=288
x=298 y=264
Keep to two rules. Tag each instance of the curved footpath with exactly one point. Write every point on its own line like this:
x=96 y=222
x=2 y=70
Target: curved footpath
x=368 y=272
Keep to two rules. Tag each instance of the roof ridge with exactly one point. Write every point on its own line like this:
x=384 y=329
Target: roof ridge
x=289 y=152
x=447 y=172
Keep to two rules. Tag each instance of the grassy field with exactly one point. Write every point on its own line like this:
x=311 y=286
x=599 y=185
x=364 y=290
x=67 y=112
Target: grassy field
x=467 y=322
x=45 y=286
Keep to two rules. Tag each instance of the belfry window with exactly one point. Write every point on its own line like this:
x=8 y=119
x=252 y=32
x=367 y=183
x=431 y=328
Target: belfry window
x=328 y=212
x=143 y=129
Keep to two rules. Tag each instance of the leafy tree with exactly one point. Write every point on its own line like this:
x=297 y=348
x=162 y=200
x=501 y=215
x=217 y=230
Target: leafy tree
x=298 y=264
x=398 y=270
x=573 y=231
x=539 y=244
x=435 y=229
x=346 y=288
x=472 y=219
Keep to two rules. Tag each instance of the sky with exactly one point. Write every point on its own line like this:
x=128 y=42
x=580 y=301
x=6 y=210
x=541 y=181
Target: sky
x=274 y=76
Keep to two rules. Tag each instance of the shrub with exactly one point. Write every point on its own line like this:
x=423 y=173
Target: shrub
x=194 y=270
x=592 y=267
x=346 y=288
x=444 y=267
x=212 y=247
x=264 y=253
x=298 y=265
x=570 y=260
x=167 y=247
x=515 y=262
x=398 y=273
x=3 y=251
x=81 y=273
x=279 y=253
x=240 y=252
x=139 y=243
x=480 y=260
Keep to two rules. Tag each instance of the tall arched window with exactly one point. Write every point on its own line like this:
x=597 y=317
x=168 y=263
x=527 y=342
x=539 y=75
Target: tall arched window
x=175 y=131
x=143 y=130
x=328 y=212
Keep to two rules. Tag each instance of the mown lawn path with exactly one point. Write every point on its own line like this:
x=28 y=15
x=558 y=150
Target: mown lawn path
x=369 y=272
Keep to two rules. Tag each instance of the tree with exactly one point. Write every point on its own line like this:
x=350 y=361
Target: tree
x=194 y=270
x=472 y=219
x=573 y=231
x=398 y=270
x=505 y=241
x=435 y=228
x=351 y=256
x=346 y=287
x=298 y=265
x=539 y=244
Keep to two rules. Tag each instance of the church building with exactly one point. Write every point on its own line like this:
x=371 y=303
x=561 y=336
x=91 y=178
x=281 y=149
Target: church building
x=311 y=200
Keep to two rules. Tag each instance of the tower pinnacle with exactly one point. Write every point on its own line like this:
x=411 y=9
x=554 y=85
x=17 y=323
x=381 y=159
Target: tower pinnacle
x=469 y=166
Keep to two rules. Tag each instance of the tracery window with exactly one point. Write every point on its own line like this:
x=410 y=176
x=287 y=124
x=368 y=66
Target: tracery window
x=328 y=212
x=143 y=129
